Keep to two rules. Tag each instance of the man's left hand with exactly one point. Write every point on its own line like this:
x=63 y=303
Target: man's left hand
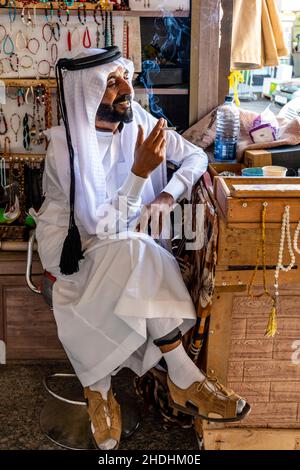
x=156 y=212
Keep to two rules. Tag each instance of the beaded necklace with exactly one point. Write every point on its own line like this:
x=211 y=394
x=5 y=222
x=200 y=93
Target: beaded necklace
x=15 y=130
x=3 y=122
x=296 y=238
x=285 y=235
x=59 y=15
x=26 y=133
x=12 y=13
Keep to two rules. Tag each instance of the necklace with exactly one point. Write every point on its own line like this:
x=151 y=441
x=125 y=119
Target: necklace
x=296 y=238
x=59 y=15
x=126 y=39
x=106 y=33
x=26 y=133
x=261 y=257
x=15 y=131
x=3 y=120
x=12 y=12
x=285 y=234
x=112 y=38
x=48 y=108
x=29 y=20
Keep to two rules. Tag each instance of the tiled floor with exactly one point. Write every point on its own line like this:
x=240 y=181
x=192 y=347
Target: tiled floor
x=22 y=397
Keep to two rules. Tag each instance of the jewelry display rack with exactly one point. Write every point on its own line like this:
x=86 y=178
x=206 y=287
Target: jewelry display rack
x=91 y=6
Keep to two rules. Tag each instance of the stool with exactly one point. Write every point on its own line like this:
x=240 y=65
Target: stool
x=64 y=420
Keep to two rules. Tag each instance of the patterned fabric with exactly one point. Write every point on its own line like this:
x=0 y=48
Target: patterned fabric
x=198 y=271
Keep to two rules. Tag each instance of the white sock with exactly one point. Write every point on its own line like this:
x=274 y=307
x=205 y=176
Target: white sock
x=181 y=369
x=183 y=372
x=103 y=386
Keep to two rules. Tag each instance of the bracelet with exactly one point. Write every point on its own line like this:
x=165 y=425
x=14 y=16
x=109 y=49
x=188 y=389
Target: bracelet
x=79 y=14
x=51 y=13
x=60 y=16
x=4 y=61
x=47 y=25
x=26 y=66
x=13 y=55
x=38 y=46
x=98 y=6
x=20 y=36
x=49 y=68
x=4 y=32
x=55 y=31
x=11 y=44
x=87 y=38
x=54 y=53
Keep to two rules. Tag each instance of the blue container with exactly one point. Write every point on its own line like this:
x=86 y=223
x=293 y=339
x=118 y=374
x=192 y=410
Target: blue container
x=252 y=172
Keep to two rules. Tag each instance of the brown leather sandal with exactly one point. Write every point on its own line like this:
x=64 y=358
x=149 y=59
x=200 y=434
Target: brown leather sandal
x=99 y=410
x=208 y=400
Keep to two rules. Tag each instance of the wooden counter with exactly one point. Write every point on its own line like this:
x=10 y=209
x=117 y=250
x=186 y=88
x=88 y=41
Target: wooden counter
x=27 y=326
x=266 y=371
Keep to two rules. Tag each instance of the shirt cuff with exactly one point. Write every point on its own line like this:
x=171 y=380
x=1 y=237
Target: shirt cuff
x=133 y=186
x=176 y=187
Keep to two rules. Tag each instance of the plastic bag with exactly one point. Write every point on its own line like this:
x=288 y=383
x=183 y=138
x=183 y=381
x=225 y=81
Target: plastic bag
x=265 y=127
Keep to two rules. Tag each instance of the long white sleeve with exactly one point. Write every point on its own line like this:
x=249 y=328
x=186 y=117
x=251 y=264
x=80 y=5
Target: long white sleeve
x=115 y=213
x=192 y=159
x=193 y=162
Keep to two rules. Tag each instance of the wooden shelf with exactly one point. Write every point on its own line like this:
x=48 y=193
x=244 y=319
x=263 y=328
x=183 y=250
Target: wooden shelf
x=27 y=82
x=162 y=91
x=91 y=6
x=23 y=156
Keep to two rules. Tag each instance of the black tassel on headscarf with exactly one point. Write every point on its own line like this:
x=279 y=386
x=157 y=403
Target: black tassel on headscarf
x=72 y=249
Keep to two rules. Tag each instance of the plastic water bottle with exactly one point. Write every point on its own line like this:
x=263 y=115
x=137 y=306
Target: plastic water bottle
x=228 y=131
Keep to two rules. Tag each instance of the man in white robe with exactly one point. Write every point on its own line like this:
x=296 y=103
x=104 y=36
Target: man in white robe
x=127 y=306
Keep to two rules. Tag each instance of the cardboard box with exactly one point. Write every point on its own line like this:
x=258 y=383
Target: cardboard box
x=287 y=156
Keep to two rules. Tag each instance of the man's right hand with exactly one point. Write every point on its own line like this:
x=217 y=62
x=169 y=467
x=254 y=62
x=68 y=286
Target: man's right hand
x=149 y=153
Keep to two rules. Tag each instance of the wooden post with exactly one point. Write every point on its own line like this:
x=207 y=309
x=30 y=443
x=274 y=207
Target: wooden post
x=225 y=48
x=204 y=76
x=210 y=55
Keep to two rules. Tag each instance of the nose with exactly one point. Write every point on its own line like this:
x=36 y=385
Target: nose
x=125 y=88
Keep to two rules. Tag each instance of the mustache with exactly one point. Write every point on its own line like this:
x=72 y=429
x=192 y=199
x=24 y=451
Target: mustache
x=123 y=98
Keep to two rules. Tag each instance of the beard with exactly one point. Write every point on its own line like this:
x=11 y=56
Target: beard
x=109 y=113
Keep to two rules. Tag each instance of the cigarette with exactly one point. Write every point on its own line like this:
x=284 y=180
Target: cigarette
x=169 y=128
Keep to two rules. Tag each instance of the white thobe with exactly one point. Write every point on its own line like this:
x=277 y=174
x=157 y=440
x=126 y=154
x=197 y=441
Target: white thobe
x=101 y=312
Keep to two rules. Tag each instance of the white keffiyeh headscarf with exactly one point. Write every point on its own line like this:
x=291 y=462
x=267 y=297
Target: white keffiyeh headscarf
x=84 y=90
